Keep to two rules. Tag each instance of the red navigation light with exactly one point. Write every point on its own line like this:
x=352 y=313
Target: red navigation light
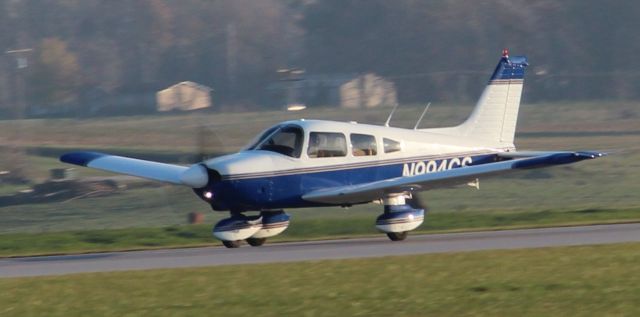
x=505 y=53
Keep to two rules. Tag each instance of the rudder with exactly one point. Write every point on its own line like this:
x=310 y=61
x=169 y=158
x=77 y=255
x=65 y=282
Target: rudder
x=495 y=115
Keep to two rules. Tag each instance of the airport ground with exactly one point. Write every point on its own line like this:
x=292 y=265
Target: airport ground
x=600 y=191
x=587 y=280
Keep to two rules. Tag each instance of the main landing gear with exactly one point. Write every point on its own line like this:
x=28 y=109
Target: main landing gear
x=254 y=229
x=232 y=244
x=256 y=242
x=399 y=218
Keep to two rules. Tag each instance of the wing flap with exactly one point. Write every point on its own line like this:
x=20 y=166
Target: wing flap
x=376 y=190
x=162 y=172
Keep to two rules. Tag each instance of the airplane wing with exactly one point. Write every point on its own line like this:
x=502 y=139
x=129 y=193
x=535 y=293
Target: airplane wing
x=376 y=190
x=194 y=176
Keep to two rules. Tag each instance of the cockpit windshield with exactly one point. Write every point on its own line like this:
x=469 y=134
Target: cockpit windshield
x=286 y=140
x=257 y=140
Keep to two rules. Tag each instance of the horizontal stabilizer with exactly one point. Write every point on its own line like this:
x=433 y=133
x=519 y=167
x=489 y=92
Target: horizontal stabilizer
x=168 y=173
x=375 y=190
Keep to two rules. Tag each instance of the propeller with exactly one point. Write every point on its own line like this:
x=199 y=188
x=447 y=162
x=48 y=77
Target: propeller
x=208 y=145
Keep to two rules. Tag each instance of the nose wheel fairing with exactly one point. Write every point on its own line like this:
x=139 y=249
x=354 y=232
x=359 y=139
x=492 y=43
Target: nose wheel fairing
x=273 y=224
x=237 y=227
x=254 y=229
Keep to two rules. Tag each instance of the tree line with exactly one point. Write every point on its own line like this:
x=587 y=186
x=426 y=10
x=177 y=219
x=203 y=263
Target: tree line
x=433 y=50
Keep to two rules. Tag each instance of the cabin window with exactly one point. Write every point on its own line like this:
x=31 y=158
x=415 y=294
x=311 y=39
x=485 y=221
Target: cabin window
x=286 y=140
x=363 y=145
x=326 y=144
x=391 y=146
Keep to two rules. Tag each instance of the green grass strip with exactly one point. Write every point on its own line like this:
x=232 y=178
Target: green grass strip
x=567 y=281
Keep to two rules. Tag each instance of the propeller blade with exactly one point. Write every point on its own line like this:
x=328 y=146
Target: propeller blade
x=209 y=144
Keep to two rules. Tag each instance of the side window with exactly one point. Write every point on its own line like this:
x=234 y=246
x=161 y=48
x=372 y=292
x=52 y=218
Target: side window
x=325 y=144
x=363 y=145
x=391 y=146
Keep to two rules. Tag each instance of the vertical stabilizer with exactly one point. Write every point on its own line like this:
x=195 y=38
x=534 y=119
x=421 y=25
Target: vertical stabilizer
x=495 y=115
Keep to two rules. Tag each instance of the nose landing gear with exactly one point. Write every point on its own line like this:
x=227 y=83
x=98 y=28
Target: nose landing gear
x=254 y=229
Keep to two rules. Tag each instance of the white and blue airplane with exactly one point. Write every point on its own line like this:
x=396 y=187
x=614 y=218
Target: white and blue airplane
x=310 y=163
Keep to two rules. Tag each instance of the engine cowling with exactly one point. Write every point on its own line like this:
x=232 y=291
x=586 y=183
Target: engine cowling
x=399 y=218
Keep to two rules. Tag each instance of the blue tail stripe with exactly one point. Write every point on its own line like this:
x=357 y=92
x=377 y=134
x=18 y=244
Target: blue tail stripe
x=510 y=68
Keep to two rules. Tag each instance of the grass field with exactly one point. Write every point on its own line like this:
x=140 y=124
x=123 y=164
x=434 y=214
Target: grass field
x=176 y=132
x=605 y=184
x=576 y=281
x=568 y=281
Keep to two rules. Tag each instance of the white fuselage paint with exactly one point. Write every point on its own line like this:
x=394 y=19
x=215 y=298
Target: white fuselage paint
x=414 y=143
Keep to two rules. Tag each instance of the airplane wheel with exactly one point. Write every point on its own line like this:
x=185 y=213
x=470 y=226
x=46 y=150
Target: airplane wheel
x=397 y=236
x=256 y=242
x=232 y=244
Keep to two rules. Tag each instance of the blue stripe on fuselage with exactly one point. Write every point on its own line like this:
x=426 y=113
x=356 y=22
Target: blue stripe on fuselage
x=347 y=166
x=285 y=191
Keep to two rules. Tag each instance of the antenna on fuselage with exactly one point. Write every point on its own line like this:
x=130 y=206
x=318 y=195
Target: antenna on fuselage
x=386 y=124
x=422 y=116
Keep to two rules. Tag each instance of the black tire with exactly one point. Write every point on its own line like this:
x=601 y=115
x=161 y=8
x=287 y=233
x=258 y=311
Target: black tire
x=397 y=236
x=232 y=244
x=256 y=242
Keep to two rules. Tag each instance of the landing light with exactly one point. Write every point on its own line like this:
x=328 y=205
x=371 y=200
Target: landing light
x=208 y=195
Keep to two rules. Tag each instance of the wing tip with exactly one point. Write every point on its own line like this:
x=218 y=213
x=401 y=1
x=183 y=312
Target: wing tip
x=81 y=158
x=559 y=158
x=590 y=154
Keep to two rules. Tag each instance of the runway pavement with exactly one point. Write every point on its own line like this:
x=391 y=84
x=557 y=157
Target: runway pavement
x=318 y=250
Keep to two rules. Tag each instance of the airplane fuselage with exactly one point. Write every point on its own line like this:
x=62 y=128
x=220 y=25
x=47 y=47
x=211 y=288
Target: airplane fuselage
x=256 y=179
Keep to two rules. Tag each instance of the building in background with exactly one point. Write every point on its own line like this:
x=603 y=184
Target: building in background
x=368 y=91
x=184 y=96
